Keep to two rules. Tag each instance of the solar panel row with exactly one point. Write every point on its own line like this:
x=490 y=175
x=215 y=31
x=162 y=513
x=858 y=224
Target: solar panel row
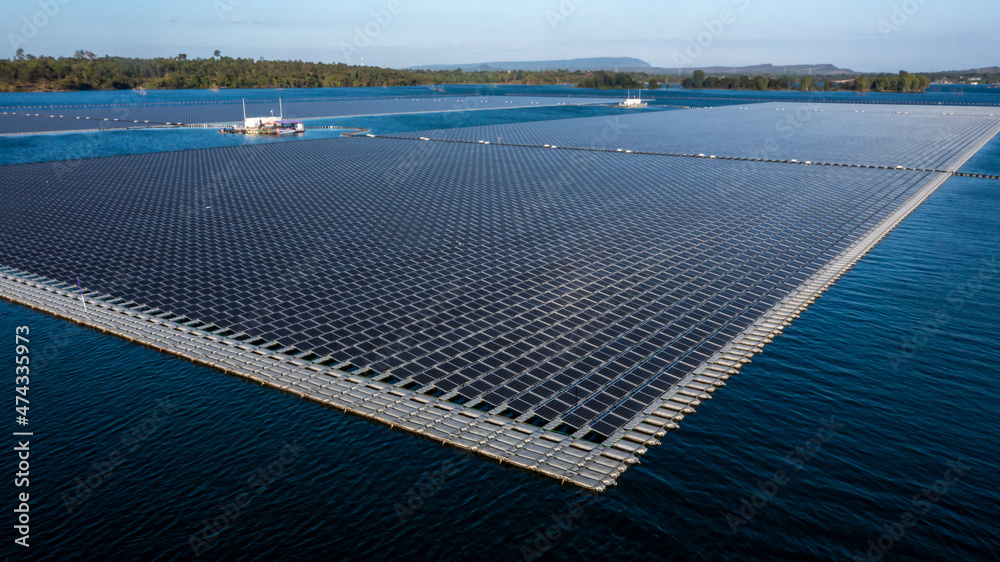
x=43 y=123
x=914 y=137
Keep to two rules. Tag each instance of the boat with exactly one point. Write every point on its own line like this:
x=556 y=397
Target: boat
x=286 y=127
x=269 y=125
x=631 y=102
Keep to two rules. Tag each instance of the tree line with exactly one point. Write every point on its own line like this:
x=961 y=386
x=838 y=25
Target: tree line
x=902 y=82
x=618 y=80
x=86 y=71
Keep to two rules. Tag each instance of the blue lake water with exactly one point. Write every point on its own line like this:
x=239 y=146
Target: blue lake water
x=937 y=93
x=21 y=149
x=896 y=359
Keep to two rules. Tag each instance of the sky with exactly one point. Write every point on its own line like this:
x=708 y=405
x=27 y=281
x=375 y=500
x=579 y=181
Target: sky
x=863 y=35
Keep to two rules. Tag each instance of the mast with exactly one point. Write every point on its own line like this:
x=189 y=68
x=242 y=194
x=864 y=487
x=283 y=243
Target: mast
x=281 y=113
x=244 y=110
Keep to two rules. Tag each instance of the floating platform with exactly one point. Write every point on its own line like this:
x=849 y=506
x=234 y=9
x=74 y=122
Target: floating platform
x=519 y=302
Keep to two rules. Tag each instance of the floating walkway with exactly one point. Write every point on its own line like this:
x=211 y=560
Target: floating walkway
x=709 y=157
x=110 y=124
x=97 y=124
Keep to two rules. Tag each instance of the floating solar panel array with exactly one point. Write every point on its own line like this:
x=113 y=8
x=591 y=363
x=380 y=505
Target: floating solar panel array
x=48 y=122
x=895 y=135
x=137 y=114
x=571 y=299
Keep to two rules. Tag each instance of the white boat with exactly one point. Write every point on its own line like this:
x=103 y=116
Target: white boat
x=631 y=102
x=269 y=125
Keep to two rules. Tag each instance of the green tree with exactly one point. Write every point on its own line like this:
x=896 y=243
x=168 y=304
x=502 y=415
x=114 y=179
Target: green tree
x=653 y=84
x=862 y=83
x=698 y=78
x=806 y=83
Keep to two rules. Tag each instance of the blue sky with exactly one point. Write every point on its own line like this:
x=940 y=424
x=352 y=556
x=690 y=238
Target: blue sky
x=867 y=35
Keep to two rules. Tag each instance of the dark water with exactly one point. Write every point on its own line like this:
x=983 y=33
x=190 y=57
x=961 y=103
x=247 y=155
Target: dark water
x=897 y=359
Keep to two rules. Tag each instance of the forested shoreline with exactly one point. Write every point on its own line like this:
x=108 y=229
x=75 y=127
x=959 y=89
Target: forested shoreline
x=903 y=82
x=86 y=71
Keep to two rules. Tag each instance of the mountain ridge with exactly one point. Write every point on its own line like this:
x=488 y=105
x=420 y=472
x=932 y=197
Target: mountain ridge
x=585 y=64
x=631 y=64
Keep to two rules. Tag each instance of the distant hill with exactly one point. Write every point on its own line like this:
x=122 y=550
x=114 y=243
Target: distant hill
x=970 y=71
x=766 y=69
x=602 y=63
x=629 y=64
